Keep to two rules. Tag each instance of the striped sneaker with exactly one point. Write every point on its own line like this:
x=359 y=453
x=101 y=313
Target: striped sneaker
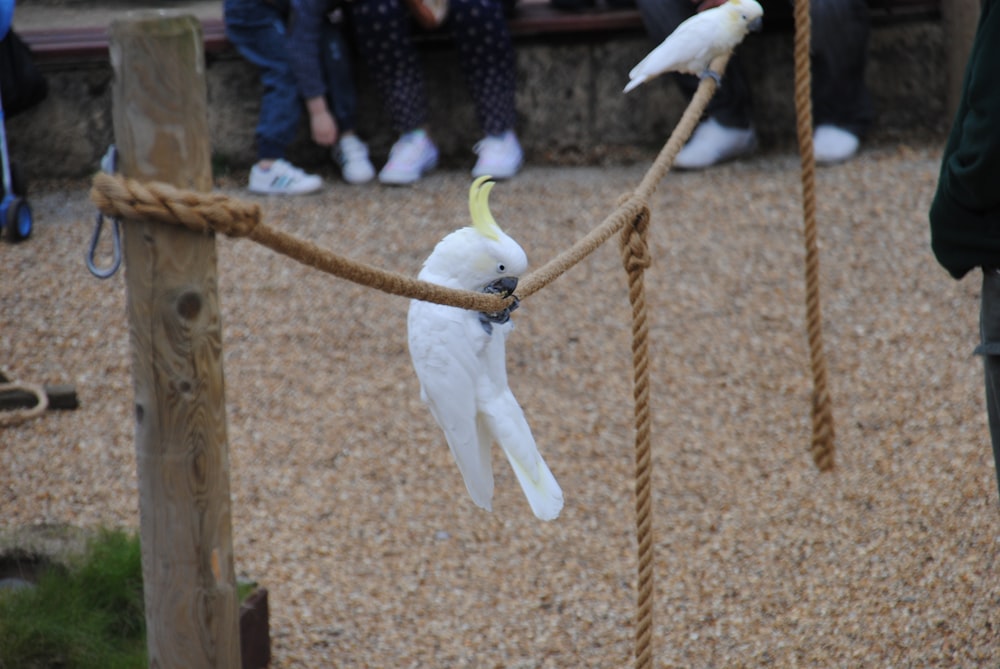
x=283 y=178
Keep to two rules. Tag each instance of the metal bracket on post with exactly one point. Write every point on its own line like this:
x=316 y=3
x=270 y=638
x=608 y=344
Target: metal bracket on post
x=109 y=164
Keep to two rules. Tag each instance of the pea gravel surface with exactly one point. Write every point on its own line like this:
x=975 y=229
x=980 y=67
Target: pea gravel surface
x=347 y=505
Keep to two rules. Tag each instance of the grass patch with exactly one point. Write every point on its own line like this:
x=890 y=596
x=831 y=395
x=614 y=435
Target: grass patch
x=86 y=614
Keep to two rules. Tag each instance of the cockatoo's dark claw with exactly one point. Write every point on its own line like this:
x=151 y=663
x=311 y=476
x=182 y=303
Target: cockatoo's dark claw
x=499 y=316
x=503 y=287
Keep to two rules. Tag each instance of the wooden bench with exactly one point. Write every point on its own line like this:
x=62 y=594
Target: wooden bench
x=532 y=18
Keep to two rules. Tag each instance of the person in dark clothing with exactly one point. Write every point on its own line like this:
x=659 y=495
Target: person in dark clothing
x=260 y=32
x=965 y=213
x=320 y=58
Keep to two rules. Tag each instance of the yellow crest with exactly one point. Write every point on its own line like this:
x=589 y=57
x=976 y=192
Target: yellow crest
x=479 y=207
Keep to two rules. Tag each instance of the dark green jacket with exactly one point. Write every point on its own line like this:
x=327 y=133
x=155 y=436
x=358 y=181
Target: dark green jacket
x=965 y=214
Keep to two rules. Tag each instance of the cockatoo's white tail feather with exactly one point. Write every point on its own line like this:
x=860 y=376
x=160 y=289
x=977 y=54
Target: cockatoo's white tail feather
x=540 y=487
x=510 y=428
x=479 y=481
x=470 y=446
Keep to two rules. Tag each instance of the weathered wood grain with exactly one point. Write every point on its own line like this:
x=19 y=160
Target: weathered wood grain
x=161 y=130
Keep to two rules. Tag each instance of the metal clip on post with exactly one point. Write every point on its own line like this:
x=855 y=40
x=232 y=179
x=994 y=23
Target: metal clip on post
x=109 y=163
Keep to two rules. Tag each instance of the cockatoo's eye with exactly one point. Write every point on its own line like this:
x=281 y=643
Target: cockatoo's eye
x=501 y=268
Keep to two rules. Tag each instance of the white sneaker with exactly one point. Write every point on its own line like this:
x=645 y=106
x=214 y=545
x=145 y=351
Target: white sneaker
x=352 y=156
x=833 y=145
x=500 y=156
x=283 y=178
x=411 y=156
x=712 y=143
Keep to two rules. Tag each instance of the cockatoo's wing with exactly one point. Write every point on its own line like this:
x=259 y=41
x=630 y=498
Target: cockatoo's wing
x=444 y=344
x=506 y=421
x=688 y=49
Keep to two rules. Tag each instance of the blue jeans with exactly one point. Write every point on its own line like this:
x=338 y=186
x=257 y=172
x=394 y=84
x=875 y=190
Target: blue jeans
x=257 y=30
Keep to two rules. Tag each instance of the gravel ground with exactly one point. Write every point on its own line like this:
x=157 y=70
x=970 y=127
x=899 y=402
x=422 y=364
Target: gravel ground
x=348 y=508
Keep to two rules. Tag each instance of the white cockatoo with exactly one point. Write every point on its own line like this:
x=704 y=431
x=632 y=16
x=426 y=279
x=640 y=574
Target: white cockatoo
x=460 y=359
x=698 y=41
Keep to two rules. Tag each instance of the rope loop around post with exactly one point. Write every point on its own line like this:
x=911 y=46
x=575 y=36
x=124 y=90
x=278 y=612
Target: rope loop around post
x=120 y=197
x=216 y=212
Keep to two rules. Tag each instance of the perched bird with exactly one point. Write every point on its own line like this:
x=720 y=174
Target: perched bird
x=695 y=43
x=459 y=357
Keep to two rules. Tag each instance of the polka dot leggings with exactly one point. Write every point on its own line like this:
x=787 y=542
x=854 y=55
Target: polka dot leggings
x=484 y=47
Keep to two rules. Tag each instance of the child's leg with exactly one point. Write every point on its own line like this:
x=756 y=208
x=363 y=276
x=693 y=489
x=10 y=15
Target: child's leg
x=259 y=35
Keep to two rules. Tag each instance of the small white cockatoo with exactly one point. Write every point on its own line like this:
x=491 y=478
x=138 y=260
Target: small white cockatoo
x=695 y=43
x=460 y=359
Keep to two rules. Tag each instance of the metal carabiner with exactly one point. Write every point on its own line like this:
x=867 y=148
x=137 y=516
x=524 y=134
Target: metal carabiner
x=109 y=164
x=116 y=254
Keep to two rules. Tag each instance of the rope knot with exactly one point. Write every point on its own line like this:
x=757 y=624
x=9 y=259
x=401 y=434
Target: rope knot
x=635 y=250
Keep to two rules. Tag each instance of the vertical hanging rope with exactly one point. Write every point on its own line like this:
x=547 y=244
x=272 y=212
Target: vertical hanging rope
x=635 y=257
x=822 y=412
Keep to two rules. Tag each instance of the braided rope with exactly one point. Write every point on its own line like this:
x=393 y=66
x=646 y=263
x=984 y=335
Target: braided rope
x=120 y=197
x=822 y=446
x=682 y=132
x=636 y=259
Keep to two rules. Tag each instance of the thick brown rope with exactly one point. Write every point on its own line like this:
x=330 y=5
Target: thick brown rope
x=822 y=447
x=636 y=259
x=120 y=197
x=631 y=207
x=682 y=132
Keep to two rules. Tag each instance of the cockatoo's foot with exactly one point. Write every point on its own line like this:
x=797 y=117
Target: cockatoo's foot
x=505 y=287
x=712 y=74
x=487 y=319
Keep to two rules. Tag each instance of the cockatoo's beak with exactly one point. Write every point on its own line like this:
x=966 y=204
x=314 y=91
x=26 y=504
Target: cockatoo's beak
x=504 y=286
x=756 y=25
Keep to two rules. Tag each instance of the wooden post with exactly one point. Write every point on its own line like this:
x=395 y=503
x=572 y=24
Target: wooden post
x=161 y=130
x=960 y=20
